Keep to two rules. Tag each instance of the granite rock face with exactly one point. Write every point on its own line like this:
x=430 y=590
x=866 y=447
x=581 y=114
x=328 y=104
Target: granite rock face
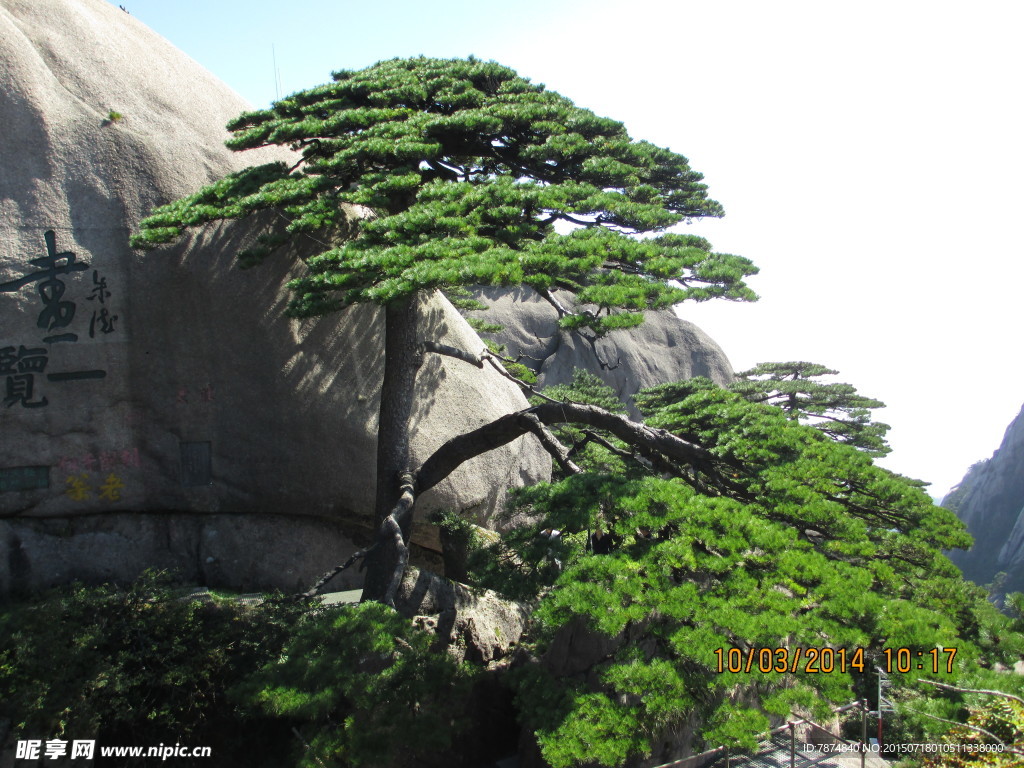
x=990 y=501
x=159 y=409
x=470 y=624
x=664 y=348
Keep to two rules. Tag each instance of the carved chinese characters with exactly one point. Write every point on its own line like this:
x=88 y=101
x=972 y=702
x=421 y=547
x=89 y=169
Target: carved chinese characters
x=24 y=367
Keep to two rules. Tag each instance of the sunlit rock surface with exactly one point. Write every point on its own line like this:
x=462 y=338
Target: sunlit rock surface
x=664 y=348
x=158 y=409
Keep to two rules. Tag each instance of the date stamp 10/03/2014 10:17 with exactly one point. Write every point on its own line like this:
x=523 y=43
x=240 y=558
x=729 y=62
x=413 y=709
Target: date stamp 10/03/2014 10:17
x=825 y=660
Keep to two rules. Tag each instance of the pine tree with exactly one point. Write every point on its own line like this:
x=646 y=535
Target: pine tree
x=466 y=168
x=762 y=534
x=835 y=408
x=734 y=525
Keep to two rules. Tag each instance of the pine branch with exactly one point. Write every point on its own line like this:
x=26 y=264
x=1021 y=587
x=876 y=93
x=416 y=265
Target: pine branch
x=589 y=436
x=528 y=388
x=550 y=298
x=308 y=747
x=949 y=687
x=551 y=444
x=312 y=591
x=444 y=349
x=673 y=450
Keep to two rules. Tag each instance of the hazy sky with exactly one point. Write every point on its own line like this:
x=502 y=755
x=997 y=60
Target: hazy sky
x=869 y=157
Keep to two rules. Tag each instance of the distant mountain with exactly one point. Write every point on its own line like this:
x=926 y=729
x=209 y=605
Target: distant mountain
x=990 y=501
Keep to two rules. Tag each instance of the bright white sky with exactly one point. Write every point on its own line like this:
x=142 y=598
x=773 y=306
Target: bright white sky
x=869 y=157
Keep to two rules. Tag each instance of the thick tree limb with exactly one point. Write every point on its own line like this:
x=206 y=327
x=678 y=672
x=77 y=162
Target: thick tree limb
x=444 y=349
x=634 y=433
x=551 y=445
x=403 y=355
x=462 y=448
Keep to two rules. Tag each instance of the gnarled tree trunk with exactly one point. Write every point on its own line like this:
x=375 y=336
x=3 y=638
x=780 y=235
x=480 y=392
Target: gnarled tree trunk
x=402 y=358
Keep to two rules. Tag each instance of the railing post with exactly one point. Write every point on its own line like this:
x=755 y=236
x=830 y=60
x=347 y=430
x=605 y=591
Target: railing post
x=792 y=745
x=863 y=731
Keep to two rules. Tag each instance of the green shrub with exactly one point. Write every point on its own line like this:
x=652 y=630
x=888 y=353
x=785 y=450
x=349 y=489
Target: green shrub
x=367 y=688
x=140 y=666
x=143 y=666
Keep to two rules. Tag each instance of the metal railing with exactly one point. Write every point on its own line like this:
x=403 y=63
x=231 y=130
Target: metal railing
x=776 y=743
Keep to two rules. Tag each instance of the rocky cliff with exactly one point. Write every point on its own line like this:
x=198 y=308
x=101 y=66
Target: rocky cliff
x=665 y=348
x=158 y=409
x=990 y=501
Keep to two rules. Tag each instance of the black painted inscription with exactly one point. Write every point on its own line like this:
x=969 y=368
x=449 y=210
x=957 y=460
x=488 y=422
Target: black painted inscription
x=20 y=365
x=19 y=368
x=56 y=312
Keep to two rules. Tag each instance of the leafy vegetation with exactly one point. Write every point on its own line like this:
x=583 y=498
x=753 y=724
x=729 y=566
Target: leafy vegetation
x=991 y=734
x=140 y=666
x=284 y=682
x=366 y=688
x=836 y=409
x=783 y=536
x=467 y=166
x=778 y=536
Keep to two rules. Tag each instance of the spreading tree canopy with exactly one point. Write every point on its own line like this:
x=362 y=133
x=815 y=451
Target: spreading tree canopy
x=461 y=170
x=466 y=167
x=730 y=524
x=835 y=408
x=760 y=534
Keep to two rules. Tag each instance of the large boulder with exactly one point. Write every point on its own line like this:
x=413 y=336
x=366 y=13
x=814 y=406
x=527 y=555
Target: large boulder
x=159 y=409
x=990 y=502
x=664 y=348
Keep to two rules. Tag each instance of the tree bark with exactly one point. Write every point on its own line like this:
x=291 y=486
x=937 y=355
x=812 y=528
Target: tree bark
x=402 y=358
x=659 y=443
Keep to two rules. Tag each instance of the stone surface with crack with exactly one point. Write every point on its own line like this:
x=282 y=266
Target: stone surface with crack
x=665 y=348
